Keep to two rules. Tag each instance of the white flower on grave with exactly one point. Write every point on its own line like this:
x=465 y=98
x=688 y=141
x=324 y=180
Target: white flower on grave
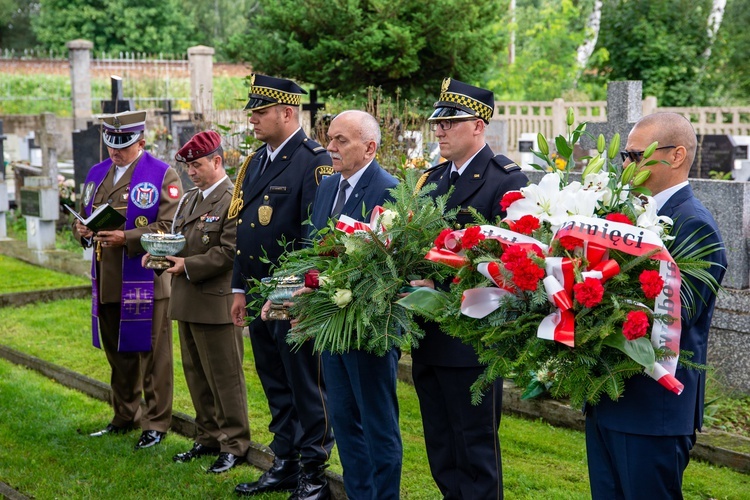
x=653 y=222
x=323 y=280
x=543 y=200
x=342 y=297
x=576 y=200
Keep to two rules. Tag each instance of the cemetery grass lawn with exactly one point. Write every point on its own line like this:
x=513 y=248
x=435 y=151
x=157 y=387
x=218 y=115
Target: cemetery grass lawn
x=46 y=452
x=18 y=276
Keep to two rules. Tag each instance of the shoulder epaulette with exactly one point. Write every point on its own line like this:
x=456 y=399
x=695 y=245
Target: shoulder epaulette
x=505 y=163
x=313 y=146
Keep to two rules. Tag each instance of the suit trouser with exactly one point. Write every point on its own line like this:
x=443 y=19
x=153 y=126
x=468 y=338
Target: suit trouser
x=293 y=384
x=462 y=444
x=212 y=361
x=634 y=466
x=147 y=373
x=364 y=411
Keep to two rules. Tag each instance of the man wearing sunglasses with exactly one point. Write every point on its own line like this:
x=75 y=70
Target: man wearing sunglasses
x=638 y=447
x=461 y=439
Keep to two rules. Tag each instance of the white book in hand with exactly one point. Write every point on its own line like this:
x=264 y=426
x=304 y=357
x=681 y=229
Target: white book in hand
x=104 y=218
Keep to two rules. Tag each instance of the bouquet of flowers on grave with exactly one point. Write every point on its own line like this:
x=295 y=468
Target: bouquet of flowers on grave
x=576 y=289
x=358 y=270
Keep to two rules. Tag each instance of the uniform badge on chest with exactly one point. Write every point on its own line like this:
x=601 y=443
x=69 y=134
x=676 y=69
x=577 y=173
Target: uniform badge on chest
x=265 y=212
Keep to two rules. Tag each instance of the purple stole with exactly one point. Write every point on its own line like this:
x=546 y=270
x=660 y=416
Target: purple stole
x=137 y=302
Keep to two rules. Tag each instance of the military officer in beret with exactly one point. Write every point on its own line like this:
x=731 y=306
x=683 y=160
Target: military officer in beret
x=212 y=346
x=461 y=439
x=272 y=200
x=129 y=306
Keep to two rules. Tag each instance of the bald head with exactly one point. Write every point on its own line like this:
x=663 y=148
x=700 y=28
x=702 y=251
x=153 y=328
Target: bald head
x=354 y=137
x=671 y=161
x=672 y=129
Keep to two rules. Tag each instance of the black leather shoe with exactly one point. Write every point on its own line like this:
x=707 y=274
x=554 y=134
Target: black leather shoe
x=112 y=429
x=313 y=484
x=198 y=450
x=225 y=462
x=282 y=476
x=149 y=439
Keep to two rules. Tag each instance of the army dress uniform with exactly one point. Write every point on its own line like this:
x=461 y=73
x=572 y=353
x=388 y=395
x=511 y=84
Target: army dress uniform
x=212 y=347
x=462 y=444
x=142 y=367
x=276 y=198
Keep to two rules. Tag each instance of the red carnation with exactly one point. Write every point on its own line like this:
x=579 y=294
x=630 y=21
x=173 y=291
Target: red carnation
x=651 y=283
x=525 y=225
x=570 y=243
x=440 y=240
x=472 y=236
x=456 y=280
x=589 y=293
x=636 y=325
x=618 y=217
x=527 y=275
x=513 y=256
x=509 y=198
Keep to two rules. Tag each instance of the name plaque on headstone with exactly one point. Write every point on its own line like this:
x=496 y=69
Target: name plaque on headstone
x=715 y=152
x=31 y=202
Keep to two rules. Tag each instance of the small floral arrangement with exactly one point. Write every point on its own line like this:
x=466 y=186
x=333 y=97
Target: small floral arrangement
x=576 y=284
x=358 y=271
x=67 y=191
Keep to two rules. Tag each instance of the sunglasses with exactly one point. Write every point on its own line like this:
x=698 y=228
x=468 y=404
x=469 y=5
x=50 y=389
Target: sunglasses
x=637 y=156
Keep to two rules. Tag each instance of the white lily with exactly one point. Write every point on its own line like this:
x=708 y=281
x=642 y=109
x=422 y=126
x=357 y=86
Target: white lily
x=541 y=200
x=653 y=222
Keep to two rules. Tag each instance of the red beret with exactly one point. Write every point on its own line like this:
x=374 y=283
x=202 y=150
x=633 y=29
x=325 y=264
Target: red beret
x=202 y=144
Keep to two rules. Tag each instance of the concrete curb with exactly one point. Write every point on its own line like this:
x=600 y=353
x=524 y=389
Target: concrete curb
x=258 y=455
x=19 y=299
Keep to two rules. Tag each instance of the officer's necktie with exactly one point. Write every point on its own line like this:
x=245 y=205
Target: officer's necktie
x=339 y=205
x=454 y=177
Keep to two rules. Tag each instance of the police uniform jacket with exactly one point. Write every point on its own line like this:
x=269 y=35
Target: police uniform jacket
x=109 y=271
x=203 y=293
x=481 y=186
x=276 y=204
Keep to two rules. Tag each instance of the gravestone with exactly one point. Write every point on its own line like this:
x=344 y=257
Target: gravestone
x=4 y=199
x=2 y=151
x=185 y=131
x=624 y=109
x=496 y=135
x=88 y=150
x=715 y=152
x=313 y=107
x=117 y=104
x=40 y=199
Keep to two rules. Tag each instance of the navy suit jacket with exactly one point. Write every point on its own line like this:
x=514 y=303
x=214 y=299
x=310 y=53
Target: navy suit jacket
x=276 y=205
x=371 y=190
x=645 y=407
x=481 y=186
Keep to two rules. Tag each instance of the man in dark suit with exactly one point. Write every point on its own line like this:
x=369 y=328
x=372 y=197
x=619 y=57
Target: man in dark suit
x=638 y=447
x=129 y=306
x=361 y=386
x=462 y=442
x=274 y=195
x=212 y=346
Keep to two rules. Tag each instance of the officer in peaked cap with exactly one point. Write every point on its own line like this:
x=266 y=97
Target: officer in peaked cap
x=272 y=199
x=130 y=303
x=461 y=438
x=122 y=130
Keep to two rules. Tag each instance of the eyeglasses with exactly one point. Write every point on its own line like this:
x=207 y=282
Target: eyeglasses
x=637 y=156
x=447 y=124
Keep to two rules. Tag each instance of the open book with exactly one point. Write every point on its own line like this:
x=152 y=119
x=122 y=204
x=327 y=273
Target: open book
x=104 y=218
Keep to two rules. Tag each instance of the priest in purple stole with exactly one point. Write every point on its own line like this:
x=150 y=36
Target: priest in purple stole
x=129 y=303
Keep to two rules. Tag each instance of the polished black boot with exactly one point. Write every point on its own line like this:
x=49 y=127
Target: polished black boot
x=313 y=484
x=282 y=476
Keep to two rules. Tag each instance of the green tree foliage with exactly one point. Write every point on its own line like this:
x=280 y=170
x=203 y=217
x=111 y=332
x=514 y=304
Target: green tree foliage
x=548 y=33
x=15 y=24
x=344 y=46
x=115 y=25
x=731 y=56
x=663 y=43
x=219 y=20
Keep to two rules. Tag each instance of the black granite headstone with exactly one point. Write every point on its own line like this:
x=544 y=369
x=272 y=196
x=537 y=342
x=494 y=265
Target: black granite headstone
x=88 y=150
x=2 y=151
x=117 y=104
x=715 y=152
x=185 y=132
x=313 y=107
x=741 y=152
